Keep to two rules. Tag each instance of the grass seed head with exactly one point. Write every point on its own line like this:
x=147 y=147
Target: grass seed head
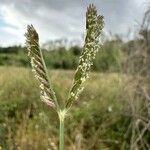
x=38 y=66
x=94 y=26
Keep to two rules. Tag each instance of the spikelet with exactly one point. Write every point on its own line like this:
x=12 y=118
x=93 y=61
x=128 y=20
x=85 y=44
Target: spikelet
x=38 y=66
x=94 y=25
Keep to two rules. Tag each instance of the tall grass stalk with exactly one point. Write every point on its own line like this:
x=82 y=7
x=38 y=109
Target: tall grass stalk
x=94 y=25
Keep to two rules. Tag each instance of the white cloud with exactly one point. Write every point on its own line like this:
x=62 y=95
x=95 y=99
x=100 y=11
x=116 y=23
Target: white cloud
x=65 y=18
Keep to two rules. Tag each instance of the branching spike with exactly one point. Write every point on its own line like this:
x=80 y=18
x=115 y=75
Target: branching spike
x=94 y=26
x=38 y=66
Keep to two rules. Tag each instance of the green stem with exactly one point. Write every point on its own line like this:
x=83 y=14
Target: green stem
x=62 y=114
x=61 y=135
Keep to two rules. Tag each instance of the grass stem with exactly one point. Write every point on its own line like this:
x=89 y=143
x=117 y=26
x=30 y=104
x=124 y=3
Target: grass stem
x=61 y=114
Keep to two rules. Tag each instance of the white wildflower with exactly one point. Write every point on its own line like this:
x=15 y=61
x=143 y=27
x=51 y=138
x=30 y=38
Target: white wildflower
x=110 y=109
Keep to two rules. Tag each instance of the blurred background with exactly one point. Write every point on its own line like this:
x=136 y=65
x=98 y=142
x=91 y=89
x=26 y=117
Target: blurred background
x=113 y=112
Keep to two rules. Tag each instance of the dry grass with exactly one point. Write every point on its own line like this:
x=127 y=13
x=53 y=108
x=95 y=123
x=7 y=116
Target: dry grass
x=100 y=119
x=24 y=110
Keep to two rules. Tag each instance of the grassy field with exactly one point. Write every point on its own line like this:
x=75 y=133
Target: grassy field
x=97 y=120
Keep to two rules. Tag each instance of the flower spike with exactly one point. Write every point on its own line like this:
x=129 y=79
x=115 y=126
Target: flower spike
x=38 y=67
x=94 y=26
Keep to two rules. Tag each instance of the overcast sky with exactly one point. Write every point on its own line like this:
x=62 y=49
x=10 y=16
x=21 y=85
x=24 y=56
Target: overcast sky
x=55 y=19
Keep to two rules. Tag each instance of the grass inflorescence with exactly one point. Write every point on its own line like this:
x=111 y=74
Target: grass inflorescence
x=94 y=25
